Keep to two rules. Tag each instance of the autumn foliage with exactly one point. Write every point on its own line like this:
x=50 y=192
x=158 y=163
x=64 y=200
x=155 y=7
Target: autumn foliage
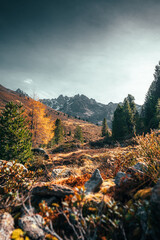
x=40 y=124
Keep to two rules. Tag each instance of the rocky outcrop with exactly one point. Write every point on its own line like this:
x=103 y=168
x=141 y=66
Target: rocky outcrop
x=139 y=168
x=6 y=226
x=52 y=190
x=94 y=182
x=121 y=177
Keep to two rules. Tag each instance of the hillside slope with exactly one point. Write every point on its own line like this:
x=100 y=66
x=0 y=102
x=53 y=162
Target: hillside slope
x=90 y=131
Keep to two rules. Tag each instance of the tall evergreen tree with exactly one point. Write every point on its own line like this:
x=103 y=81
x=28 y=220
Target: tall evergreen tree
x=58 y=132
x=158 y=112
x=104 y=127
x=151 y=101
x=124 y=121
x=129 y=117
x=119 y=127
x=78 y=134
x=15 y=139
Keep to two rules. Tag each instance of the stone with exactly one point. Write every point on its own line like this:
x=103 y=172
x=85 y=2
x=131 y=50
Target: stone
x=32 y=225
x=61 y=173
x=155 y=209
x=6 y=226
x=121 y=177
x=155 y=197
x=140 y=166
x=94 y=182
x=52 y=190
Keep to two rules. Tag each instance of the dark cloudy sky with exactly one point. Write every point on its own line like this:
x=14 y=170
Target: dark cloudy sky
x=104 y=49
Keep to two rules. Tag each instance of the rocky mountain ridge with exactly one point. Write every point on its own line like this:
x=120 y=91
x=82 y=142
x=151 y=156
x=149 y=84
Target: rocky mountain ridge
x=85 y=108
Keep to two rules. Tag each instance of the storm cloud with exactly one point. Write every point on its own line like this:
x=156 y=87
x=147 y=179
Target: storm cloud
x=104 y=49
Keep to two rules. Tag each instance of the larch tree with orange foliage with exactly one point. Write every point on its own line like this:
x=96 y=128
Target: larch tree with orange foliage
x=41 y=125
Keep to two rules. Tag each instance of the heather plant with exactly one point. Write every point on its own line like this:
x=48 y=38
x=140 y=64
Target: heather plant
x=15 y=183
x=148 y=151
x=87 y=220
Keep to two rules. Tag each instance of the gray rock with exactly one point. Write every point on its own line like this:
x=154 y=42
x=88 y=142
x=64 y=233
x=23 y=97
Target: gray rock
x=155 y=197
x=59 y=173
x=155 y=210
x=121 y=177
x=140 y=166
x=94 y=182
x=52 y=190
x=6 y=226
x=32 y=225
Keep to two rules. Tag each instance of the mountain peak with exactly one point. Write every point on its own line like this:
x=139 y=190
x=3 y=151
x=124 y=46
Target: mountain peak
x=83 y=107
x=19 y=91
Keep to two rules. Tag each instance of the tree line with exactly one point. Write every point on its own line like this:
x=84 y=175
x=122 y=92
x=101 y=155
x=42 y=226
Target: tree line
x=127 y=121
x=21 y=130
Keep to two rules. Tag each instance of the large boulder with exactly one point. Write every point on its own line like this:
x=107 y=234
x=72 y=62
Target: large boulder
x=155 y=209
x=52 y=190
x=94 y=182
x=6 y=226
x=121 y=177
x=33 y=226
x=139 y=168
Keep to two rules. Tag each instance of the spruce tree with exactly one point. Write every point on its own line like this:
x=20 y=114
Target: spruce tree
x=129 y=117
x=151 y=101
x=15 y=139
x=124 y=120
x=58 y=132
x=78 y=134
x=119 y=126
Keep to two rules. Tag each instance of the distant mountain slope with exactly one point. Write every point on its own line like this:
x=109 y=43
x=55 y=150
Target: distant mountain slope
x=20 y=92
x=91 y=131
x=84 y=108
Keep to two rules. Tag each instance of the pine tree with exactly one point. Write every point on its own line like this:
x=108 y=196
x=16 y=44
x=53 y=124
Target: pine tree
x=78 y=134
x=158 y=112
x=104 y=128
x=129 y=117
x=15 y=139
x=58 y=132
x=119 y=126
x=151 y=101
x=124 y=121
